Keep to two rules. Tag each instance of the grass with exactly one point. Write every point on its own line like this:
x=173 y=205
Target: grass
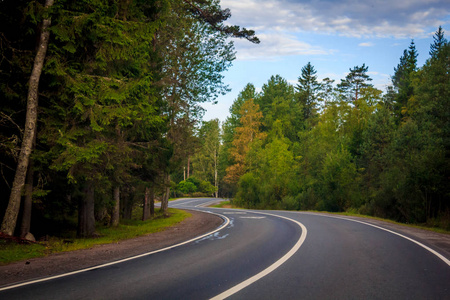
x=11 y=252
x=225 y=204
x=419 y=226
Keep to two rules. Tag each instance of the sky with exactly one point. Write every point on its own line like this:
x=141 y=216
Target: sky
x=333 y=35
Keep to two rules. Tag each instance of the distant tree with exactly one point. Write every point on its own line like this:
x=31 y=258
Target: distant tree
x=308 y=91
x=326 y=92
x=229 y=130
x=353 y=83
x=402 y=80
x=206 y=159
x=245 y=135
x=277 y=101
x=439 y=42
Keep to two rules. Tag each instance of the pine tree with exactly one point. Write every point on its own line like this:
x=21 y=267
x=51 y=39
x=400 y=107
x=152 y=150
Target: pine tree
x=351 y=86
x=277 y=102
x=402 y=80
x=308 y=89
x=439 y=42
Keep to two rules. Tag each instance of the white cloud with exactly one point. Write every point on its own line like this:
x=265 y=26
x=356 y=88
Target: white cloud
x=274 y=45
x=367 y=44
x=376 y=18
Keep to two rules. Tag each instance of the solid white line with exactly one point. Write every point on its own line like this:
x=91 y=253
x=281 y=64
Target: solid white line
x=442 y=257
x=225 y=224
x=271 y=268
x=182 y=203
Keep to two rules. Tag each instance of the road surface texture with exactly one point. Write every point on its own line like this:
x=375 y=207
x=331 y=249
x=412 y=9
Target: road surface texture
x=267 y=255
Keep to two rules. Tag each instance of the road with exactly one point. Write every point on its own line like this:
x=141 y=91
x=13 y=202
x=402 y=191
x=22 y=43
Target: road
x=266 y=255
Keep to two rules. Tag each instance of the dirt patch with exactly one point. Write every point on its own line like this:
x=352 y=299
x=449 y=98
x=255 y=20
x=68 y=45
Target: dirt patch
x=199 y=223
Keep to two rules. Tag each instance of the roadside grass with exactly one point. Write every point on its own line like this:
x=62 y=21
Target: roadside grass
x=225 y=204
x=228 y=204
x=353 y=214
x=419 y=226
x=11 y=251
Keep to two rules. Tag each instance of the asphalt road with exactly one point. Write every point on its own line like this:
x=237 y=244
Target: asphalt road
x=265 y=255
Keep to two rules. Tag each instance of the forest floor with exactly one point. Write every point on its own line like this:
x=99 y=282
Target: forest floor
x=199 y=223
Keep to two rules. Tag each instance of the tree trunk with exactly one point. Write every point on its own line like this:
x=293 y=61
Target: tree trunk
x=28 y=202
x=152 y=202
x=216 y=182
x=12 y=211
x=86 y=215
x=127 y=207
x=116 y=209
x=146 y=210
x=188 y=165
x=165 y=197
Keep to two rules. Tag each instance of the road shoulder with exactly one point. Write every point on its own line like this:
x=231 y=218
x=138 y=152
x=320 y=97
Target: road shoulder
x=59 y=263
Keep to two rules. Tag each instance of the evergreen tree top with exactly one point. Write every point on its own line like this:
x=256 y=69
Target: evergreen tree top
x=439 y=42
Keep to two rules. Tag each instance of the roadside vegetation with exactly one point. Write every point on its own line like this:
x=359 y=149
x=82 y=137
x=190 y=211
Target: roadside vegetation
x=346 y=147
x=120 y=85
x=118 y=124
x=17 y=250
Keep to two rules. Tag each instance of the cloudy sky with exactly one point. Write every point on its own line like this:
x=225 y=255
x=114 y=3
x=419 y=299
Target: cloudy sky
x=333 y=35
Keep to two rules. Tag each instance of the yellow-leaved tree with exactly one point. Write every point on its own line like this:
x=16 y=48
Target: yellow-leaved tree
x=245 y=135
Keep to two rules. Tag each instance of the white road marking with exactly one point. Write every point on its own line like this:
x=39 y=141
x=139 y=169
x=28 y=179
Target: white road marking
x=235 y=213
x=271 y=268
x=225 y=224
x=252 y=217
x=183 y=203
x=212 y=237
x=442 y=257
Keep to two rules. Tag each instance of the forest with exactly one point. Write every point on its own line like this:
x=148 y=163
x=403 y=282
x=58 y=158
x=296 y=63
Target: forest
x=101 y=113
x=99 y=104
x=346 y=146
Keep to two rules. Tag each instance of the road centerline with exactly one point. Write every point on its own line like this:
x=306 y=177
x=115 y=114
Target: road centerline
x=272 y=267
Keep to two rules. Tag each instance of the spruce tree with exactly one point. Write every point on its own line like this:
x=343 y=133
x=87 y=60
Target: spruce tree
x=308 y=89
x=402 y=80
x=439 y=42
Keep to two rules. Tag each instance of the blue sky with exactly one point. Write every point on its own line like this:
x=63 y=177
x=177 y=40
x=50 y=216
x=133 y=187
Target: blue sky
x=333 y=35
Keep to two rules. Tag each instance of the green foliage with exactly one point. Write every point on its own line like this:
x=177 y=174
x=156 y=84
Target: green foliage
x=339 y=182
x=193 y=185
x=248 y=192
x=11 y=252
x=363 y=151
x=207 y=188
x=308 y=89
x=119 y=95
x=186 y=187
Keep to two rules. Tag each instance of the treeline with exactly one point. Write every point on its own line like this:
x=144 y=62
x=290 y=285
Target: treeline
x=99 y=101
x=346 y=146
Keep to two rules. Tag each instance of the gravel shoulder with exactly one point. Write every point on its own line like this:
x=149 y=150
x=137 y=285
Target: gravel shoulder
x=198 y=224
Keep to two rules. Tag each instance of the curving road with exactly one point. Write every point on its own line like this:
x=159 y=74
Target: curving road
x=265 y=255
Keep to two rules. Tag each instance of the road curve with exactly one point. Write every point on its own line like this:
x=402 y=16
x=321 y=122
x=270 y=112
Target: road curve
x=339 y=259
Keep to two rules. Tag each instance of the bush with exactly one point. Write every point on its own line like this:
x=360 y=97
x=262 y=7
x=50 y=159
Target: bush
x=186 y=187
x=206 y=187
x=247 y=194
